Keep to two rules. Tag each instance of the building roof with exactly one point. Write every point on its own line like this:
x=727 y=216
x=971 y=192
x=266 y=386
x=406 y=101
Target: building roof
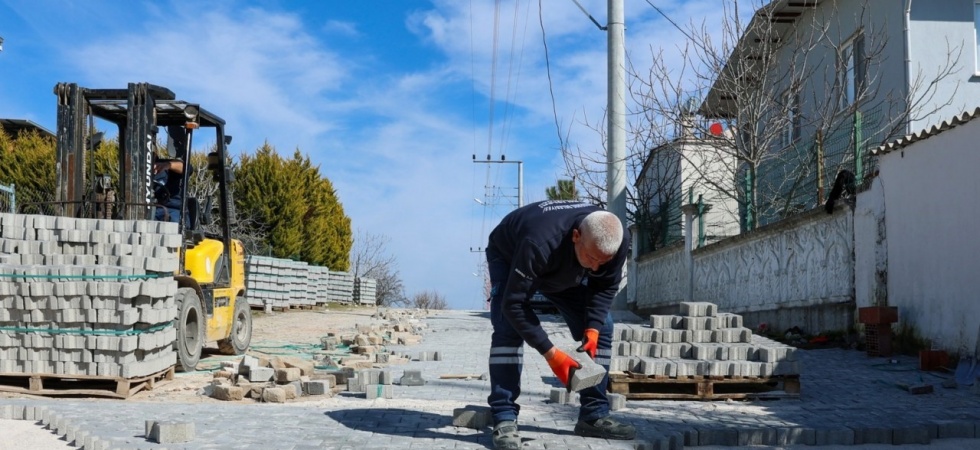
x=771 y=20
x=907 y=140
x=14 y=126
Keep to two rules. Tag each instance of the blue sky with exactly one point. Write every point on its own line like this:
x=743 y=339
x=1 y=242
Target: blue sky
x=391 y=98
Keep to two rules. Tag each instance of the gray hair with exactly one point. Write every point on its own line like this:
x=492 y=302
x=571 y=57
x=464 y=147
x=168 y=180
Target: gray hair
x=604 y=229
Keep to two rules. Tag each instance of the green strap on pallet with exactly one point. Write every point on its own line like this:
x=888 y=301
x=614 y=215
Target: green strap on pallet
x=81 y=277
x=88 y=332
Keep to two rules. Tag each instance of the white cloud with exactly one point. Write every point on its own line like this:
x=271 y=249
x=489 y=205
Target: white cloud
x=260 y=70
x=341 y=27
x=395 y=143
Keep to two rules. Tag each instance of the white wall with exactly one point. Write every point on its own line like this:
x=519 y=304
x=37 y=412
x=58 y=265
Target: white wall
x=870 y=251
x=932 y=206
x=797 y=272
x=710 y=172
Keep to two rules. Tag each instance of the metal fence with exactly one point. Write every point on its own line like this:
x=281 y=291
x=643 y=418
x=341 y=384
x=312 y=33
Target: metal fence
x=791 y=181
x=8 y=198
x=801 y=177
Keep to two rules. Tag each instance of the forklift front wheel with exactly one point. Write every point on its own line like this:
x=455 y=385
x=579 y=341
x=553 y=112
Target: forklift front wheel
x=190 y=330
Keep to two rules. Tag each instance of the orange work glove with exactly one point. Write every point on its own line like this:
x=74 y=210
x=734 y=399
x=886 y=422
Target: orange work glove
x=561 y=364
x=590 y=342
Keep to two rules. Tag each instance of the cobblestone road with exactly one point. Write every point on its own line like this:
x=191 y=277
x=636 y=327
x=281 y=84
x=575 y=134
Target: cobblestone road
x=847 y=398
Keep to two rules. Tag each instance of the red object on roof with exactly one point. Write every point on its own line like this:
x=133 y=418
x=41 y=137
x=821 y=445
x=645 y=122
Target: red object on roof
x=715 y=129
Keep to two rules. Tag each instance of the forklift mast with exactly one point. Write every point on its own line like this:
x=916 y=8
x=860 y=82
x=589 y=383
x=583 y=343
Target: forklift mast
x=139 y=112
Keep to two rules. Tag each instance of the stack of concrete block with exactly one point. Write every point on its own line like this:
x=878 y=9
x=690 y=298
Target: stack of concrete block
x=340 y=287
x=262 y=284
x=374 y=383
x=319 y=276
x=87 y=296
x=699 y=341
x=277 y=283
x=283 y=283
x=296 y=279
x=365 y=291
x=274 y=380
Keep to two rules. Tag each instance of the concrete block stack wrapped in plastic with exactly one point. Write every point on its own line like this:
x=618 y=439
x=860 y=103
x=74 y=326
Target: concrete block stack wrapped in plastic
x=340 y=287
x=365 y=291
x=87 y=296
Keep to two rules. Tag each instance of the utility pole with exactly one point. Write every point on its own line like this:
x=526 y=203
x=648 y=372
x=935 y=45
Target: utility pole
x=520 y=174
x=616 y=132
x=616 y=107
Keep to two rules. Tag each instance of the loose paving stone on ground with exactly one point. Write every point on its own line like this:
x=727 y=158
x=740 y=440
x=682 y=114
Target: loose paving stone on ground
x=846 y=398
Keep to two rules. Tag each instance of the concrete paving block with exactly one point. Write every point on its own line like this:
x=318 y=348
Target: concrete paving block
x=622 y=332
x=249 y=361
x=700 y=324
x=274 y=395
x=834 y=436
x=287 y=375
x=590 y=374
x=228 y=393
x=691 y=437
x=260 y=374
x=558 y=396
x=787 y=368
x=662 y=321
x=644 y=349
x=374 y=391
x=291 y=390
x=690 y=368
x=948 y=429
x=316 y=387
x=81 y=436
x=864 y=434
x=695 y=336
x=698 y=309
x=172 y=432
x=616 y=401
x=622 y=348
x=795 y=436
x=644 y=334
x=412 y=378
x=718 y=436
x=7 y=412
x=916 y=434
x=705 y=351
x=757 y=436
x=470 y=416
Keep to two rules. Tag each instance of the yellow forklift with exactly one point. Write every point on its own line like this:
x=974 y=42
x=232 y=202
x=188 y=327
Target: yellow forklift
x=211 y=273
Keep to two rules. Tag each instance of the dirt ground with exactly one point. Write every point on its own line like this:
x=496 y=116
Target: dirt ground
x=294 y=333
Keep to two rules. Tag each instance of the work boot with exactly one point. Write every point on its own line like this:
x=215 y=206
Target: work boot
x=505 y=436
x=605 y=428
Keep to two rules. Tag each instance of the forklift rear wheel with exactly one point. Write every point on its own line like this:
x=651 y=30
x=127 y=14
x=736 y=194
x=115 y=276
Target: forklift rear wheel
x=241 y=330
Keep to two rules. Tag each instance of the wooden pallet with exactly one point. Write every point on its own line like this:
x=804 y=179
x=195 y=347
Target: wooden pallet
x=83 y=385
x=647 y=387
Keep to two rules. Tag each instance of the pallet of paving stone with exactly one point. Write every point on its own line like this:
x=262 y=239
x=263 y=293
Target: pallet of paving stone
x=45 y=384
x=698 y=387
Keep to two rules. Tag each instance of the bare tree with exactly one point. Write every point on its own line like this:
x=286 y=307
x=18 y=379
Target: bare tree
x=243 y=227
x=427 y=300
x=799 y=97
x=369 y=258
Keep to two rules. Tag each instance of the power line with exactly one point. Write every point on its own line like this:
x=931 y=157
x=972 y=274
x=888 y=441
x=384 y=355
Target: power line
x=688 y=36
x=551 y=86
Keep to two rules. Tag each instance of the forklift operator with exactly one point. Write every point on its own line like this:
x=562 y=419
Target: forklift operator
x=168 y=179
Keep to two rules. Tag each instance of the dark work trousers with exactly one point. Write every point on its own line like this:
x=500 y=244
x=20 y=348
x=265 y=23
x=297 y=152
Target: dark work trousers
x=507 y=348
